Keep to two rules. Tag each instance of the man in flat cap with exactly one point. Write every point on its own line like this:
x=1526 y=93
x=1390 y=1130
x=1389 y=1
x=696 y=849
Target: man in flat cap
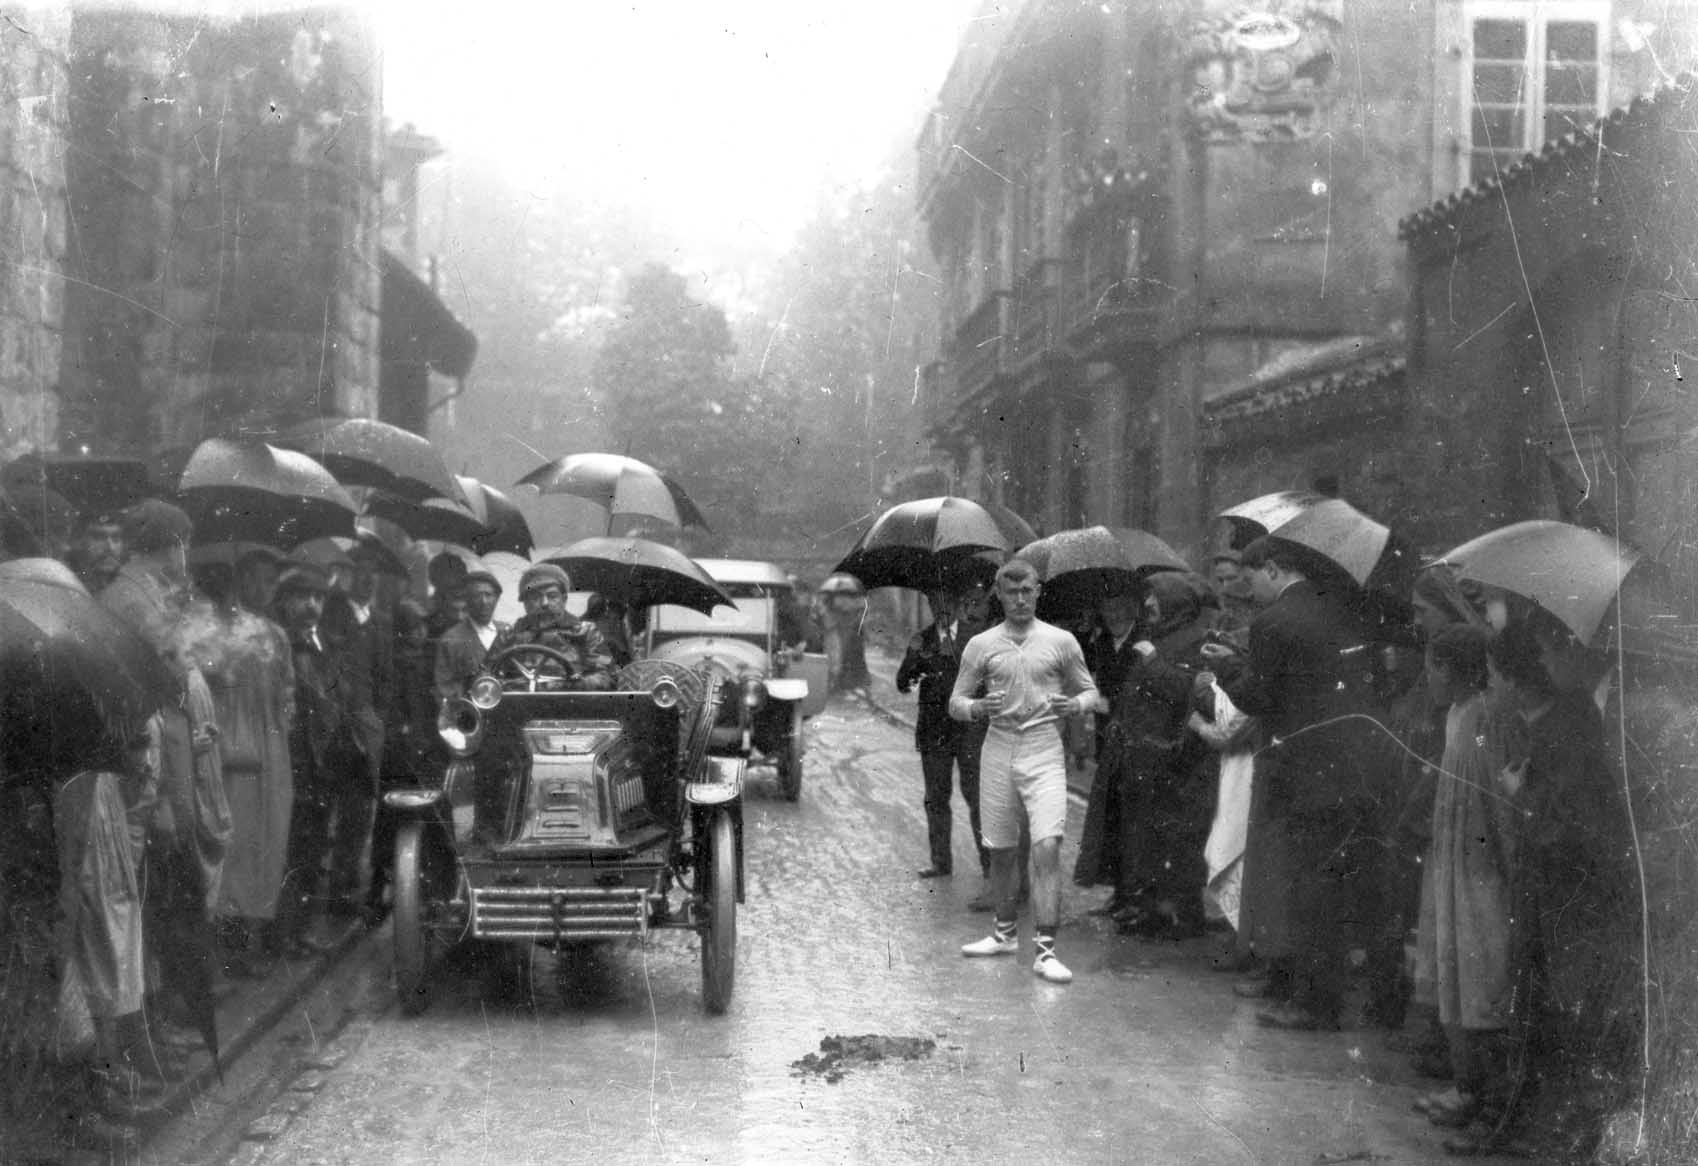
x=461 y=650
x=542 y=591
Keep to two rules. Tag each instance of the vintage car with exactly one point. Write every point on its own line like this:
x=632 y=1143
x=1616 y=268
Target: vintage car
x=615 y=821
x=777 y=685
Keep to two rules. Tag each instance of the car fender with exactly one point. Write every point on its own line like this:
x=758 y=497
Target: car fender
x=721 y=781
x=786 y=688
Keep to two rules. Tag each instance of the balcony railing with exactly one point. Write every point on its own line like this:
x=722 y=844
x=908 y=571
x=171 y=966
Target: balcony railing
x=1112 y=290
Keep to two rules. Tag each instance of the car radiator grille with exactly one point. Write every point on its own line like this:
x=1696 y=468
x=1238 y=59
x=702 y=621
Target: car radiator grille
x=559 y=912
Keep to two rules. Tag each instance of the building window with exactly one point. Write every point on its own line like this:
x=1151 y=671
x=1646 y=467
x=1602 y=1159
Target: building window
x=1535 y=70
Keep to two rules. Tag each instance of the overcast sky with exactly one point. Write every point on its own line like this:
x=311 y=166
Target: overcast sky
x=725 y=118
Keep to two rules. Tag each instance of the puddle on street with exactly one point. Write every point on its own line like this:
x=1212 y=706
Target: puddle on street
x=839 y=1054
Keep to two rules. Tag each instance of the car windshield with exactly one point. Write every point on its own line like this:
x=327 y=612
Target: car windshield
x=753 y=616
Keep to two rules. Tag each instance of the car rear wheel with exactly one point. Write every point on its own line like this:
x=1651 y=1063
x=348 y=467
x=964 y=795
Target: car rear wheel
x=718 y=874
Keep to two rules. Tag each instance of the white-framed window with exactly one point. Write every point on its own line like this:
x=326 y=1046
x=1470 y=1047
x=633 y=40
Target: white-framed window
x=1533 y=70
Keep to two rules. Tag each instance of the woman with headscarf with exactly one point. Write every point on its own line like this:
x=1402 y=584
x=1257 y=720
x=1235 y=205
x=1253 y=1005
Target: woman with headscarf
x=1164 y=798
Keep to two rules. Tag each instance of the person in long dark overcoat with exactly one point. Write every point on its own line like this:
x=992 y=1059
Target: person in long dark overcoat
x=1111 y=651
x=1165 y=798
x=323 y=749
x=1311 y=888
x=945 y=746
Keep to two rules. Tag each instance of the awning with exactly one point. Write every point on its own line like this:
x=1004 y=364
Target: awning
x=418 y=327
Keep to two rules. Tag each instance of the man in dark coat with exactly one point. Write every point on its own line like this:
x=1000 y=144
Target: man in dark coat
x=323 y=748
x=364 y=635
x=1111 y=651
x=1309 y=881
x=932 y=659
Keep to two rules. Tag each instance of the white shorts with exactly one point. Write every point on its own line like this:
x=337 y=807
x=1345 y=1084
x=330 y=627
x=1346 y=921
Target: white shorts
x=1022 y=768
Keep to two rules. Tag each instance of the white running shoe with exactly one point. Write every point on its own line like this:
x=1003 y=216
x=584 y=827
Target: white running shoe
x=1049 y=968
x=992 y=944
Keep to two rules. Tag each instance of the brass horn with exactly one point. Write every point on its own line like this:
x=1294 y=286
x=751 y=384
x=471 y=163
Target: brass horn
x=460 y=724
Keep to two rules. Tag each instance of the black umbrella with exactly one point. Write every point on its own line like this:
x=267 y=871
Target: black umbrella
x=917 y=544
x=505 y=522
x=434 y=519
x=93 y=484
x=250 y=491
x=639 y=573
x=68 y=668
x=361 y=451
x=620 y=485
x=1081 y=567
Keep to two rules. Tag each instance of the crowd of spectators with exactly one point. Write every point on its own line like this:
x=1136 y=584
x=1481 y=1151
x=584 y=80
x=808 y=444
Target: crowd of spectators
x=241 y=826
x=1411 y=826
x=1393 y=815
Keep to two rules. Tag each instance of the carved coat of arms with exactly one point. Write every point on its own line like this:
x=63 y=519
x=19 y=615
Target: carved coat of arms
x=1263 y=73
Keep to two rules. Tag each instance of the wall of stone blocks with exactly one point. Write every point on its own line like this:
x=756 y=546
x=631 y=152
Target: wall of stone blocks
x=33 y=121
x=225 y=201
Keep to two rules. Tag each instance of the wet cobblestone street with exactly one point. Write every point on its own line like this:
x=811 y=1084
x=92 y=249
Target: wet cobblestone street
x=606 y=1052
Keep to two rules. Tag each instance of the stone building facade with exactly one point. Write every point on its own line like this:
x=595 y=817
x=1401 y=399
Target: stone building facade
x=192 y=220
x=1168 y=231
x=1552 y=328
x=34 y=115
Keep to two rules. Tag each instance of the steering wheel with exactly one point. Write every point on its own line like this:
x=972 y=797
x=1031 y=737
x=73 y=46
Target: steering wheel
x=511 y=654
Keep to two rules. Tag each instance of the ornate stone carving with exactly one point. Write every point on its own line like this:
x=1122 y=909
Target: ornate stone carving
x=1265 y=72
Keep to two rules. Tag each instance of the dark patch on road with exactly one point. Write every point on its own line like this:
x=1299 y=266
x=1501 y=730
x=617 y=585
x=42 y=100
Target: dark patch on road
x=839 y=1054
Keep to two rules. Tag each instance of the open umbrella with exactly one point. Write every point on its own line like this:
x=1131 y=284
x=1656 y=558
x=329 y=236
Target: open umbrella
x=250 y=491
x=505 y=524
x=1571 y=572
x=639 y=573
x=94 y=484
x=914 y=544
x=361 y=451
x=434 y=519
x=67 y=668
x=620 y=485
x=1330 y=527
x=1080 y=567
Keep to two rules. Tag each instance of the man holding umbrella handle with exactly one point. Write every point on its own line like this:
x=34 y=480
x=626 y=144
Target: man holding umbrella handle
x=1035 y=676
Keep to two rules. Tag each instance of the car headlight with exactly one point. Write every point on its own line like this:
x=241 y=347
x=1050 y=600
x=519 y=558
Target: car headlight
x=460 y=724
x=485 y=692
x=752 y=690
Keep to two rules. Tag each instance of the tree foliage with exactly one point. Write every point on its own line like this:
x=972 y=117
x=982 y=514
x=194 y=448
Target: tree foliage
x=668 y=395
x=847 y=323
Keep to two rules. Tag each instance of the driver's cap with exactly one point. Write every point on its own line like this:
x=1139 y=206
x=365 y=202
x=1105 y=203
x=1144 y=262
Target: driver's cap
x=541 y=575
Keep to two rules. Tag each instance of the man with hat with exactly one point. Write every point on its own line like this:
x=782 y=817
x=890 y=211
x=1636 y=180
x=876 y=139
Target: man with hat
x=542 y=590
x=322 y=747
x=365 y=636
x=461 y=650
